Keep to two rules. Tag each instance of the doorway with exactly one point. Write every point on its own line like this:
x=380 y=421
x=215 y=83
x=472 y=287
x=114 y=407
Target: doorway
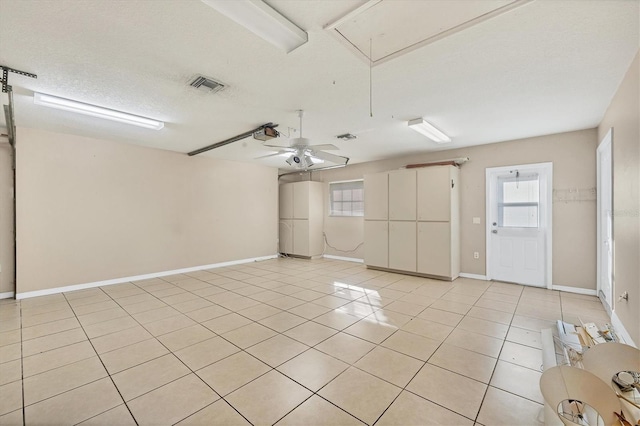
x=605 y=220
x=519 y=224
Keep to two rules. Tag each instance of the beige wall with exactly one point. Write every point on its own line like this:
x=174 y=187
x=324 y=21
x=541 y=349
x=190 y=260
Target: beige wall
x=91 y=210
x=7 y=284
x=623 y=115
x=574 y=223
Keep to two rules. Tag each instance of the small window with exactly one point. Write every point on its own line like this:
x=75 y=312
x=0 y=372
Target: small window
x=519 y=199
x=346 y=198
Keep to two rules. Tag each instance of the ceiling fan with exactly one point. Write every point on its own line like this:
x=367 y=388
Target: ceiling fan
x=301 y=154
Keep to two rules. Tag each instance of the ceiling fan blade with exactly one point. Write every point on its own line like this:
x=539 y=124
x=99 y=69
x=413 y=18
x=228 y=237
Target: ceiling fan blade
x=326 y=147
x=276 y=146
x=272 y=155
x=329 y=157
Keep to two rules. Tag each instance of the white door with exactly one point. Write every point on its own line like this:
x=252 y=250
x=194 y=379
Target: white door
x=519 y=224
x=605 y=221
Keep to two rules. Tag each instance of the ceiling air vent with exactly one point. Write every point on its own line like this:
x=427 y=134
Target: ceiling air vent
x=346 y=136
x=207 y=84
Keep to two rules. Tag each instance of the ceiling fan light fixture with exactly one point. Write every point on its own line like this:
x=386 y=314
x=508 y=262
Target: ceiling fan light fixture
x=315 y=160
x=262 y=20
x=427 y=129
x=95 y=111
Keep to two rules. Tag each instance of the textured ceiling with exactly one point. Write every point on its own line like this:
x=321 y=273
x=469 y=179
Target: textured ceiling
x=545 y=67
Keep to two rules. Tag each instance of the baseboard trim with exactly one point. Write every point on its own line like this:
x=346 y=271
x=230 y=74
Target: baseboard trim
x=620 y=330
x=586 y=291
x=56 y=290
x=7 y=295
x=346 y=259
x=473 y=276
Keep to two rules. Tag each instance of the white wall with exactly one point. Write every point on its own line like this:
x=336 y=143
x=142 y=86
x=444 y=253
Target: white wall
x=90 y=210
x=574 y=223
x=623 y=115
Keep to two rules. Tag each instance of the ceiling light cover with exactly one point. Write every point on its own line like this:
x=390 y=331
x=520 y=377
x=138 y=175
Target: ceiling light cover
x=428 y=130
x=262 y=20
x=95 y=111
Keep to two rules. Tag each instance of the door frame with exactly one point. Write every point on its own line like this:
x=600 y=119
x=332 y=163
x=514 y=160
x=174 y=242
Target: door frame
x=547 y=168
x=605 y=145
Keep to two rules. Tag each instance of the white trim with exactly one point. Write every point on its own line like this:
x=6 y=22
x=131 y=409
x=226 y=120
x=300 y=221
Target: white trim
x=577 y=290
x=346 y=259
x=346 y=181
x=605 y=144
x=473 y=276
x=7 y=295
x=55 y=290
x=621 y=331
x=548 y=168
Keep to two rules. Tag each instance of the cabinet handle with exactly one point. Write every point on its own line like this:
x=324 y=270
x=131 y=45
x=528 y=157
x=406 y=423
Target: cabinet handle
x=452 y=184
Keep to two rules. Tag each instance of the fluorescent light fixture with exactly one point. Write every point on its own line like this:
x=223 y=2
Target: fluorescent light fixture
x=264 y=21
x=425 y=128
x=95 y=111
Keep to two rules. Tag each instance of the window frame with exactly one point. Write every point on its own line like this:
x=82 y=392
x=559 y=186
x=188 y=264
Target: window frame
x=501 y=204
x=331 y=212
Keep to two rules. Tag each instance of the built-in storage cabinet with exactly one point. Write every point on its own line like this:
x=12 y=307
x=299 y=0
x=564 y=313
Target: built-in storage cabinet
x=376 y=202
x=301 y=218
x=434 y=193
x=432 y=237
x=402 y=195
x=286 y=201
x=402 y=245
x=421 y=232
x=376 y=248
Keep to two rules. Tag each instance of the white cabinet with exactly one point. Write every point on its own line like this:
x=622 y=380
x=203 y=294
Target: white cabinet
x=434 y=193
x=402 y=246
x=402 y=195
x=301 y=218
x=421 y=232
x=376 y=247
x=285 y=201
x=285 y=238
x=376 y=201
x=432 y=237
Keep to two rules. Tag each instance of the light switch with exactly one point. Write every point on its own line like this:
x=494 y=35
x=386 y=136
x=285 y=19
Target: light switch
x=476 y=221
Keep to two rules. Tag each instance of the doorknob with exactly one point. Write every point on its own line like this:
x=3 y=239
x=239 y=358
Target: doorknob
x=494 y=224
x=495 y=231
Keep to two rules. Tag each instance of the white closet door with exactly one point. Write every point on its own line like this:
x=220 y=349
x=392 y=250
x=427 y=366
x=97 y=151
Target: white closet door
x=434 y=193
x=301 y=237
x=402 y=195
x=286 y=201
x=285 y=242
x=376 y=246
x=434 y=248
x=402 y=246
x=301 y=200
x=376 y=196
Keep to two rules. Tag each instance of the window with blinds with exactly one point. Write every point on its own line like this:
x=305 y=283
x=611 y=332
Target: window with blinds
x=346 y=198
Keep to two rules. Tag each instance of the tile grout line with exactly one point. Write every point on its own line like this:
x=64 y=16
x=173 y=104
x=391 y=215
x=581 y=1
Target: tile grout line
x=105 y=369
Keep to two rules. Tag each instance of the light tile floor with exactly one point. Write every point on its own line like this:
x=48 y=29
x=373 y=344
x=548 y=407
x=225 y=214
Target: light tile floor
x=287 y=341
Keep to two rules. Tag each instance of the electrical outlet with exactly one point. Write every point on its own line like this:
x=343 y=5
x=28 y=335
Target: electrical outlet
x=476 y=221
x=476 y=255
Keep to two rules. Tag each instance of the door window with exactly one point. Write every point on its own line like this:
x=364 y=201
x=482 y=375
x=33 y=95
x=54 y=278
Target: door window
x=518 y=200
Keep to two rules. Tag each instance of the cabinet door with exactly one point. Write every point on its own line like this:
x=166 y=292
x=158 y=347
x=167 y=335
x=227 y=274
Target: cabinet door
x=434 y=193
x=285 y=238
x=376 y=196
x=301 y=237
x=402 y=195
x=402 y=246
x=286 y=201
x=434 y=248
x=376 y=243
x=301 y=200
